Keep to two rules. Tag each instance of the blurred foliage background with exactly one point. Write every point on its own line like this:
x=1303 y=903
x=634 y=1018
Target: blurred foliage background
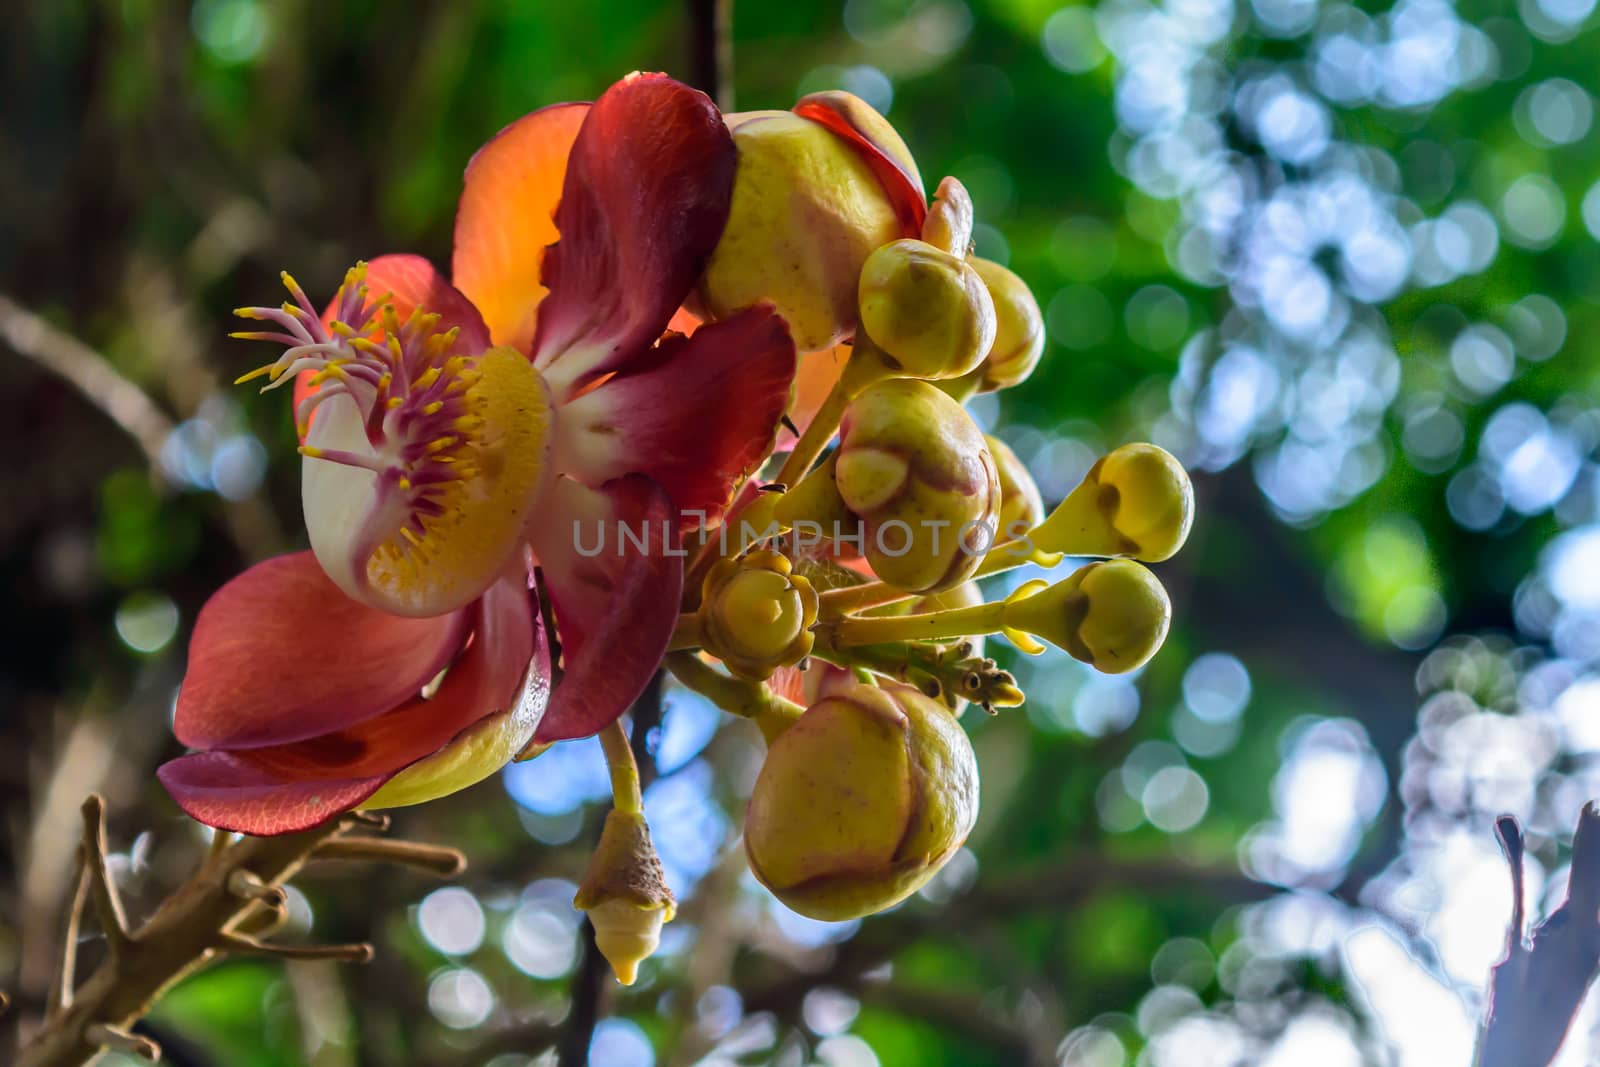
x=1339 y=257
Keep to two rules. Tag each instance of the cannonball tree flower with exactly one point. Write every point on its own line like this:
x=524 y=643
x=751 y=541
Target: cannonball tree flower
x=461 y=438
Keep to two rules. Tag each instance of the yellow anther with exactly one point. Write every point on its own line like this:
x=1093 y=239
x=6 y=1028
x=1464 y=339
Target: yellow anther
x=394 y=402
x=259 y=372
x=442 y=443
x=404 y=483
x=311 y=452
x=433 y=408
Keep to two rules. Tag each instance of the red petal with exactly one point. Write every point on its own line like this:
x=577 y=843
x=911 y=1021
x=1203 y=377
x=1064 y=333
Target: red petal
x=887 y=155
x=488 y=676
x=507 y=217
x=279 y=654
x=293 y=787
x=702 y=414
x=222 y=790
x=647 y=191
x=615 y=604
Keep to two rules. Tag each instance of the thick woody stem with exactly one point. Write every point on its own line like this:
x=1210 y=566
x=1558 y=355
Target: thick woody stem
x=236 y=885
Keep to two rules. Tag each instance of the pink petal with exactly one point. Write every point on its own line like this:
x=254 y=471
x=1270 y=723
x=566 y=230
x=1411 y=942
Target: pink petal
x=615 y=604
x=646 y=196
x=293 y=787
x=279 y=654
x=701 y=414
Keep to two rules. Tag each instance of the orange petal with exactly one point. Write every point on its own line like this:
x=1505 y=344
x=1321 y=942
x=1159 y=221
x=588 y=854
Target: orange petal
x=507 y=217
x=818 y=373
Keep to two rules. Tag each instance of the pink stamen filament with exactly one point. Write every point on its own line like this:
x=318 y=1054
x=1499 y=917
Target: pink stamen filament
x=409 y=388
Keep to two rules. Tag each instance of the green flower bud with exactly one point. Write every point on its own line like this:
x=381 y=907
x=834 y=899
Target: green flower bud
x=1021 y=507
x=625 y=894
x=756 y=614
x=861 y=801
x=1112 y=615
x=948 y=226
x=928 y=310
x=913 y=467
x=1019 y=328
x=1136 y=501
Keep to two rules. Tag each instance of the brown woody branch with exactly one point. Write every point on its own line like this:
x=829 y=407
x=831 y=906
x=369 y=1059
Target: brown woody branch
x=230 y=902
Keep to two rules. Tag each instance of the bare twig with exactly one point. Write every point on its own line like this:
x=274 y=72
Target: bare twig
x=90 y=373
x=61 y=991
x=120 y=1040
x=436 y=860
x=1535 y=992
x=241 y=945
x=102 y=888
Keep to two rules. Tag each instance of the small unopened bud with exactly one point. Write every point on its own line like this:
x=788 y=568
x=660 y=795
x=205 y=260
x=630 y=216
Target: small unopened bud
x=756 y=614
x=948 y=226
x=1021 y=507
x=625 y=894
x=927 y=309
x=1136 y=501
x=1112 y=615
x=913 y=467
x=861 y=801
x=1019 y=328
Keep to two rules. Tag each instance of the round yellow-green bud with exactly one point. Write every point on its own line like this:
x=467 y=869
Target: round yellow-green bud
x=948 y=226
x=806 y=212
x=927 y=309
x=756 y=614
x=625 y=894
x=1135 y=501
x=913 y=467
x=1019 y=328
x=861 y=801
x=1112 y=615
x=1021 y=506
